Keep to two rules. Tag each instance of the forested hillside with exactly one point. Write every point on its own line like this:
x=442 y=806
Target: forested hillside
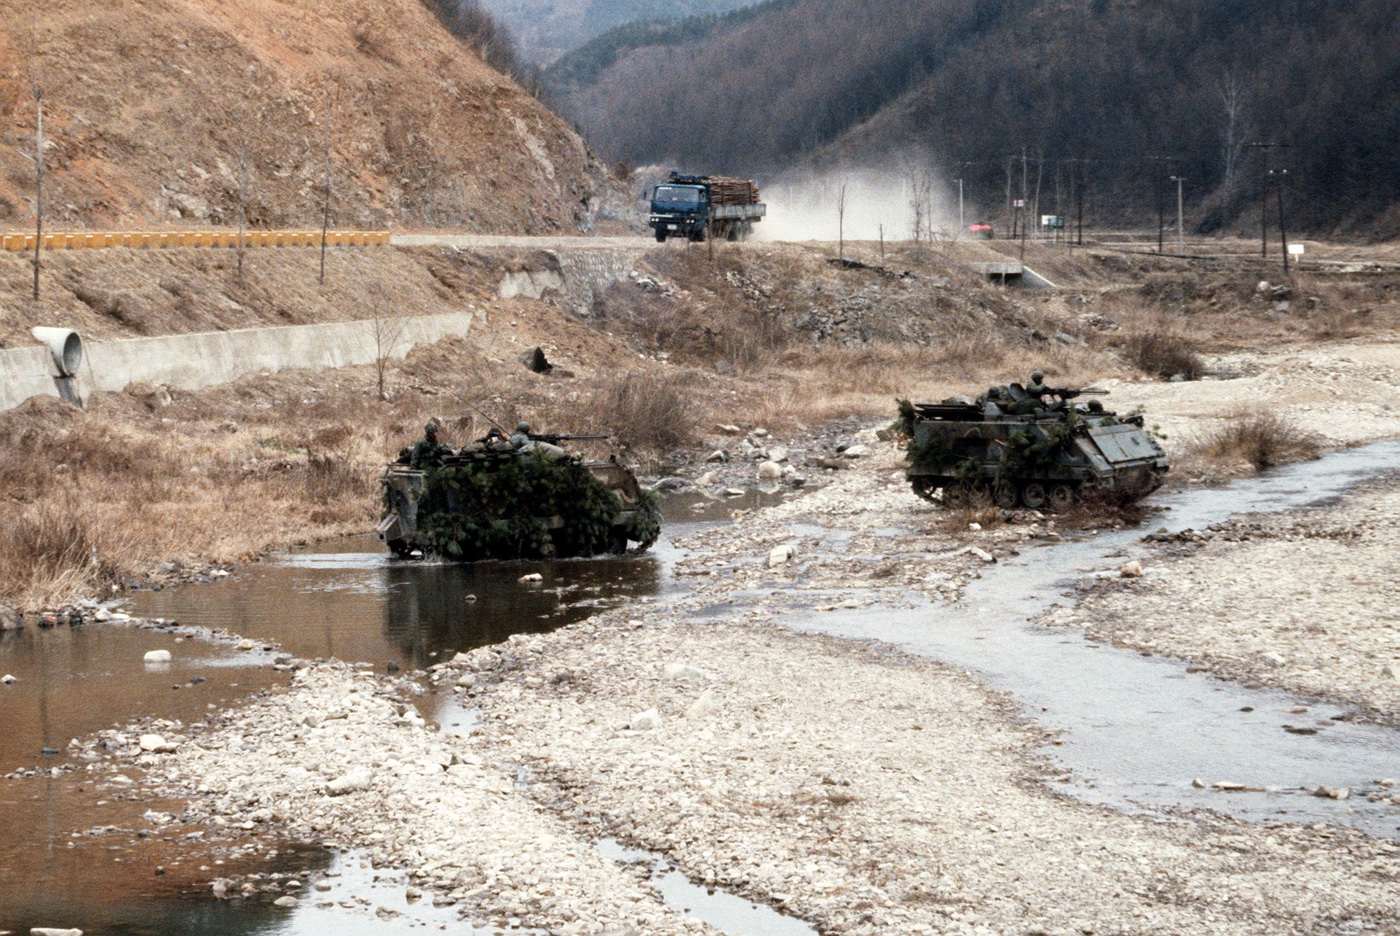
x=546 y=29
x=1122 y=94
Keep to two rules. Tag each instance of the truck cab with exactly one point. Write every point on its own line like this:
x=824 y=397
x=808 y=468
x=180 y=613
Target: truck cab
x=680 y=209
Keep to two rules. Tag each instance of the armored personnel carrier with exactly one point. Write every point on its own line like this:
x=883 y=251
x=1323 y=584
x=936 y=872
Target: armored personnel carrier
x=497 y=502
x=1024 y=451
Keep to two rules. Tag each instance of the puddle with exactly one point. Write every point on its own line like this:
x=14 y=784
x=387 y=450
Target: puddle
x=723 y=911
x=360 y=901
x=1137 y=730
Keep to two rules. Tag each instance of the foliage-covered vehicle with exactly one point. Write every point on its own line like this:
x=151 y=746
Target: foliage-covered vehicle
x=1024 y=453
x=516 y=505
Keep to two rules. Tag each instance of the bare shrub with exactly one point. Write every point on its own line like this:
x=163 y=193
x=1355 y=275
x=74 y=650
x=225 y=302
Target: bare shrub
x=1261 y=439
x=645 y=410
x=1163 y=355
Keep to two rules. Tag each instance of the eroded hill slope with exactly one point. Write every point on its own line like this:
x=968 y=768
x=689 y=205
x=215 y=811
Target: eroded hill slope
x=150 y=105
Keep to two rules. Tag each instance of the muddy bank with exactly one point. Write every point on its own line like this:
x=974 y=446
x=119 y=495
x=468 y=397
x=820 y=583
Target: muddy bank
x=1303 y=601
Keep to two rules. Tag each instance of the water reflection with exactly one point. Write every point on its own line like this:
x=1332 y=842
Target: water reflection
x=350 y=601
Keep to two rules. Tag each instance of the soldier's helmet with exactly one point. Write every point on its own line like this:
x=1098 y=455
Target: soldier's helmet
x=1037 y=377
x=495 y=433
x=523 y=427
x=432 y=427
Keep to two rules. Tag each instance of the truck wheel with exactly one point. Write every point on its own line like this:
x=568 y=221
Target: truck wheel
x=1061 y=497
x=1033 y=495
x=661 y=235
x=924 y=486
x=698 y=235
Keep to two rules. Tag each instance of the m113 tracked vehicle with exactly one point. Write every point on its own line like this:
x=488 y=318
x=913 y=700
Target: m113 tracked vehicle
x=1022 y=449
x=497 y=501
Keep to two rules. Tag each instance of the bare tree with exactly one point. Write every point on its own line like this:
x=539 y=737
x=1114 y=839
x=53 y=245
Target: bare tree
x=1232 y=101
x=386 y=333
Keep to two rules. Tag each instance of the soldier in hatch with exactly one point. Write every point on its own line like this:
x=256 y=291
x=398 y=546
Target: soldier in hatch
x=428 y=452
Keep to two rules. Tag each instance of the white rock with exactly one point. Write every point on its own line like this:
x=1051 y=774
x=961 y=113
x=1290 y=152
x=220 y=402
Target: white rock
x=353 y=782
x=156 y=744
x=246 y=645
x=157 y=656
x=705 y=480
x=1273 y=659
x=1389 y=671
x=718 y=455
x=531 y=577
x=53 y=931
x=684 y=671
x=975 y=527
x=1198 y=783
x=701 y=706
x=735 y=492
x=982 y=554
x=645 y=721
x=288 y=901
x=7 y=679
x=729 y=429
x=856 y=451
x=770 y=470
x=780 y=555
x=1130 y=569
x=777 y=453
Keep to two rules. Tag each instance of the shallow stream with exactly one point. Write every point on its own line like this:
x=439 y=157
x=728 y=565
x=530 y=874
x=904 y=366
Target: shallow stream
x=1137 y=731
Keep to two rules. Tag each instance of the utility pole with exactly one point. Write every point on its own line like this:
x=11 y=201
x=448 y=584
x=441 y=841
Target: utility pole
x=1280 y=177
x=1180 y=223
x=38 y=183
x=1161 y=216
x=326 y=202
x=961 y=224
x=1264 y=206
x=1080 y=204
x=242 y=202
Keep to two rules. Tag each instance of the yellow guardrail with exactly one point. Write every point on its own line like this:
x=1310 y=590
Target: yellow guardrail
x=139 y=240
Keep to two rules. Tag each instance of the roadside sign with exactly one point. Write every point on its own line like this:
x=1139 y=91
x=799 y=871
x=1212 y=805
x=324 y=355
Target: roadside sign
x=1019 y=203
x=1053 y=222
x=1295 y=250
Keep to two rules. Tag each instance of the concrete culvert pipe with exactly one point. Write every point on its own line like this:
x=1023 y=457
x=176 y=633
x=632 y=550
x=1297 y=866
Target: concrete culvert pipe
x=65 y=346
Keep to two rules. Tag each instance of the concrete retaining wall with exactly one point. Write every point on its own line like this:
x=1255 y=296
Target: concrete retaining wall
x=203 y=359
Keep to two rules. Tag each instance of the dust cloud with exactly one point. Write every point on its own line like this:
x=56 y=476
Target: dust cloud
x=804 y=207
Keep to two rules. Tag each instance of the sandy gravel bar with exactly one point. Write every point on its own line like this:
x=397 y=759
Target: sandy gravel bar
x=1307 y=601
x=339 y=759
x=873 y=792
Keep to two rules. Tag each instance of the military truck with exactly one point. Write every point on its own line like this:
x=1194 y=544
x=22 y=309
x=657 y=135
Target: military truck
x=499 y=502
x=1024 y=451
x=697 y=206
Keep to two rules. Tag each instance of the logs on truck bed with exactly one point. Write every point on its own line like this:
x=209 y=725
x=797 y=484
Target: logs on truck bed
x=729 y=191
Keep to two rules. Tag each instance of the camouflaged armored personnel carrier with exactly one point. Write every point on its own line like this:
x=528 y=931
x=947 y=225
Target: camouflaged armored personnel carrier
x=535 y=502
x=1023 y=450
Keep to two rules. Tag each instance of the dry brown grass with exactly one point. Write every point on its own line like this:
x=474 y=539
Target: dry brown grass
x=1260 y=440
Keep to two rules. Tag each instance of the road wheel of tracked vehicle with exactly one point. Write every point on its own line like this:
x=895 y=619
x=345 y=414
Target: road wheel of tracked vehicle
x=661 y=235
x=1033 y=495
x=1004 y=495
x=955 y=496
x=1061 y=497
x=924 y=487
